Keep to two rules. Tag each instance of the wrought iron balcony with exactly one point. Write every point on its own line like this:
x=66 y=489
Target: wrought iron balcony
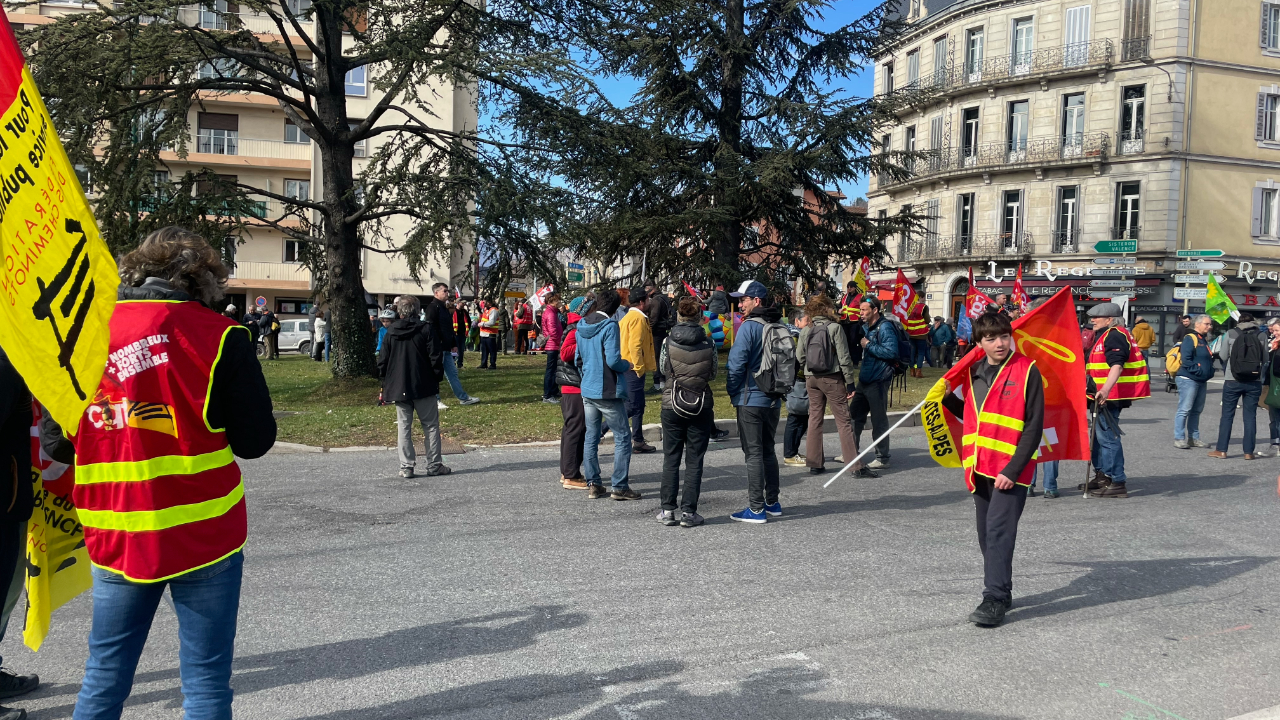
x=1126 y=233
x=1066 y=241
x=945 y=247
x=1018 y=67
x=1135 y=48
x=1132 y=142
x=1084 y=148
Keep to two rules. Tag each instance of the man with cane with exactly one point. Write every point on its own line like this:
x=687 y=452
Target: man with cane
x=1118 y=372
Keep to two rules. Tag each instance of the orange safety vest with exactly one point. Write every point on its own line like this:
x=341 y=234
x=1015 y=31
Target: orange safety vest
x=991 y=432
x=490 y=315
x=916 y=327
x=1134 y=382
x=158 y=490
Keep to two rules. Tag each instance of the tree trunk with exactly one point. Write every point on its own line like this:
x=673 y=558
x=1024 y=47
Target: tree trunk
x=352 y=335
x=728 y=246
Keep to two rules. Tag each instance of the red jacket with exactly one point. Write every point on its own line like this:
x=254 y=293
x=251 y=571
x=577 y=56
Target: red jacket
x=569 y=348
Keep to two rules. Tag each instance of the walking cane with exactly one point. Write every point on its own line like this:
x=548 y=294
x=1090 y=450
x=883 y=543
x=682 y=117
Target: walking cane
x=1093 y=429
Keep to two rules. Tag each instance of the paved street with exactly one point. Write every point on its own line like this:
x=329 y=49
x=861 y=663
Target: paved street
x=495 y=594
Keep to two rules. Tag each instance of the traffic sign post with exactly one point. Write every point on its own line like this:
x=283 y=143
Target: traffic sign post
x=1199 y=265
x=1197 y=279
x=1117 y=246
x=1115 y=261
x=1117 y=271
x=1111 y=294
x=1111 y=284
x=1190 y=293
x=575 y=276
x=1199 y=253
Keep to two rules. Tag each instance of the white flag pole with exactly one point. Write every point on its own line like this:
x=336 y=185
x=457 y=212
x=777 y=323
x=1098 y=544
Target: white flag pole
x=875 y=442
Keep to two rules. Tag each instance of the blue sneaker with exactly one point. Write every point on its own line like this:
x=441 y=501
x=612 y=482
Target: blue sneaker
x=774 y=510
x=749 y=516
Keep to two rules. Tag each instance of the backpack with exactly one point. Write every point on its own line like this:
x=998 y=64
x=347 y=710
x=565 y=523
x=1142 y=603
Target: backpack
x=686 y=399
x=902 y=363
x=1173 y=358
x=777 y=374
x=1246 y=357
x=819 y=353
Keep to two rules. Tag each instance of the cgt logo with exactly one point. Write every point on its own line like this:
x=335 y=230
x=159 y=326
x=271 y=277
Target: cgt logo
x=156 y=417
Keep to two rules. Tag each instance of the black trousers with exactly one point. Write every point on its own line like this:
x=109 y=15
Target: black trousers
x=872 y=398
x=793 y=435
x=488 y=351
x=998 y=515
x=549 y=387
x=658 y=337
x=758 y=430
x=575 y=432
x=680 y=433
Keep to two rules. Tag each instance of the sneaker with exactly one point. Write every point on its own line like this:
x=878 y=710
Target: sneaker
x=794 y=461
x=1182 y=444
x=625 y=494
x=990 y=613
x=668 y=518
x=442 y=470
x=719 y=434
x=839 y=459
x=690 y=519
x=12 y=685
x=441 y=406
x=748 y=515
x=1217 y=455
x=406 y=472
x=595 y=492
x=1114 y=490
x=470 y=401
x=865 y=472
x=1031 y=491
x=551 y=401
x=1198 y=443
x=878 y=464
x=643 y=448
x=1050 y=494
x=573 y=483
x=774 y=510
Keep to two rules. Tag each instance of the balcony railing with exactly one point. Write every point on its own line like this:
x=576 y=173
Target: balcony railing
x=1066 y=241
x=1131 y=142
x=1135 y=48
x=943 y=247
x=250 y=147
x=1018 y=66
x=1080 y=148
x=202 y=17
x=280 y=271
x=1126 y=233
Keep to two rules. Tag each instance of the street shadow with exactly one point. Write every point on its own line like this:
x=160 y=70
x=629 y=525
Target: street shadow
x=884 y=502
x=1184 y=484
x=1120 y=581
x=346 y=660
x=788 y=692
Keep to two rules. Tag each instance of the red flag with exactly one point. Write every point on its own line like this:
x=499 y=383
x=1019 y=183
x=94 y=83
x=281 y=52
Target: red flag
x=691 y=290
x=1048 y=335
x=1020 y=299
x=904 y=297
x=975 y=303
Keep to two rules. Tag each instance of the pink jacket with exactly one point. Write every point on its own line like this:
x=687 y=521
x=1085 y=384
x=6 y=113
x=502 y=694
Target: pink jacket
x=552 y=328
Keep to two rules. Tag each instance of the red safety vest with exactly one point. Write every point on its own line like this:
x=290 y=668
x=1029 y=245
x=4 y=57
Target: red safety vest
x=1134 y=382
x=991 y=432
x=158 y=490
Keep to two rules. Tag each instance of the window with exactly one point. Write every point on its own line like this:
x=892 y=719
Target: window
x=885 y=143
x=355 y=82
x=1268 y=117
x=1011 y=222
x=1128 y=205
x=291 y=248
x=1019 y=119
x=1132 y=117
x=913 y=68
x=362 y=146
x=160 y=178
x=941 y=63
x=1136 y=35
x=219 y=68
x=1270 y=26
x=298 y=7
x=909 y=145
x=973 y=45
x=217 y=133
x=297 y=189
x=213 y=15
x=931 y=223
x=1076 y=50
x=1073 y=125
x=1265 y=213
x=888 y=77
x=1066 y=234
x=969 y=142
x=936 y=159
x=1022 y=47
x=294 y=135
x=964 y=222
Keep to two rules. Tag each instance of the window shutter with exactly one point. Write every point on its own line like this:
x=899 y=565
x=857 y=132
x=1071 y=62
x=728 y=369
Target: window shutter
x=1255 y=224
x=218 y=121
x=1266 y=18
x=1260 y=127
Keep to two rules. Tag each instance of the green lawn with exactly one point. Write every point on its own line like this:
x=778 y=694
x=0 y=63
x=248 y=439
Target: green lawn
x=341 y=413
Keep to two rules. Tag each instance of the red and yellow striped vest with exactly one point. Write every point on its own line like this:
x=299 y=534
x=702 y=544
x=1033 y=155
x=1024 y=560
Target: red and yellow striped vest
x=1134 y=382
x=158 y=490
x=991 y=432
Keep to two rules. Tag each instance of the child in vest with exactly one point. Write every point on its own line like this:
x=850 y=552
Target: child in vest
x=1003 y=413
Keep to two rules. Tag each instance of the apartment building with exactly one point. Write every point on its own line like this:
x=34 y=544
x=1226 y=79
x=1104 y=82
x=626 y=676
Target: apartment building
x=246 y=138
x=1053 y=125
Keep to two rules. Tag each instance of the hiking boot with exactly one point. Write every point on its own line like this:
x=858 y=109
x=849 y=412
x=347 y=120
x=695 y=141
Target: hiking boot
x=690 y=519
x=437 y=472
x=1114 y=490
x=793 y=461
x=643 y=448
x=406 y=472
x=625 y=494
x=990 y=613
x=865 y=473
x=1217 y=455
x=1098 y=482
x=12 y=685
x=595 y=492
x=573 y=483
x=668 y=518
x=1182 y=444
x=1197 y=442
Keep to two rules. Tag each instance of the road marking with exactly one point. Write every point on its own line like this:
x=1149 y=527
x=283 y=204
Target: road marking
x=1137 y=699
x=1268 y=714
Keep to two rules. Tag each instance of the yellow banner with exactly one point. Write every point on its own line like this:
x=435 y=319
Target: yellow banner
x=942 y=442
x=58 y=282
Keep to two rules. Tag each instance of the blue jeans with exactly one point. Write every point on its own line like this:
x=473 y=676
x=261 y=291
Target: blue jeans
x=1186 y=421
x=1050 y=472
x=328 y=343
x=206 y=602
x=1274 y=416
x=920 y=353
x=1234 y=392
x=613 y=412
x=451 y=372
x=1108 y=453
x=635 y=405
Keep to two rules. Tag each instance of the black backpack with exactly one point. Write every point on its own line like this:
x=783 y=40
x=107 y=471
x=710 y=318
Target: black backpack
x=1246 y=356
x=819 y=352
x=567 y=373
x=777 y=373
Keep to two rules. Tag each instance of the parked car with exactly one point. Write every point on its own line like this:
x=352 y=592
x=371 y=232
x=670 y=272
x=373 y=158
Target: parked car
x=295 y=334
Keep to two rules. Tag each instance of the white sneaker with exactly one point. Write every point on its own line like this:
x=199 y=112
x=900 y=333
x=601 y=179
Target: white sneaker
x=878 y=464
x=838 y=458
x=441 y=406
x=470 y=401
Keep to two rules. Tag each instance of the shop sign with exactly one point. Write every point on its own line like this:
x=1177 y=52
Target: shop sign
x=1046 y=269
x=1246 y=272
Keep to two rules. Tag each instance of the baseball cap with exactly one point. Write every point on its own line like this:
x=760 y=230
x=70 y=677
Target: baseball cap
x=1105 y=310
x=387 y=314
x=751 y=288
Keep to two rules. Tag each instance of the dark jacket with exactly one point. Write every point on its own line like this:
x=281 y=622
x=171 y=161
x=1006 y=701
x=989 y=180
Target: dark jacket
x=881 y=349
x=1197 y=361
x=661 y=317
x=599 y=354
x=239 y=401
x=719 y=303
x=442 y=323
x=15 y=445
x=745 y=358
x=411 y=362
x=689 y=358
x=252 y=320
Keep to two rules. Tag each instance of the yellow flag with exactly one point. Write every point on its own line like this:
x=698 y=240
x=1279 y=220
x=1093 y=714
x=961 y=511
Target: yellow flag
x=58 y=280
x=940 y=427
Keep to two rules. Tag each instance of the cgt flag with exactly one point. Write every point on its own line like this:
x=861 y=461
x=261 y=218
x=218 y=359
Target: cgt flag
x=1020 y=299
x=1048 y=335
x=975 y=301
x=58 y=282
x=862 y=275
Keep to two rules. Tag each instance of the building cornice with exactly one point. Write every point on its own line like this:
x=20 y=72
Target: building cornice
x=960 y=10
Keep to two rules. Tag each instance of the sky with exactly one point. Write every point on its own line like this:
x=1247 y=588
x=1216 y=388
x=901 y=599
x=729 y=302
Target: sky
x=838 y=13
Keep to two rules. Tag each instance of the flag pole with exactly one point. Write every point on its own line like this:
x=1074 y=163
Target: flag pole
x=1093 y=428
x=875 y=442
